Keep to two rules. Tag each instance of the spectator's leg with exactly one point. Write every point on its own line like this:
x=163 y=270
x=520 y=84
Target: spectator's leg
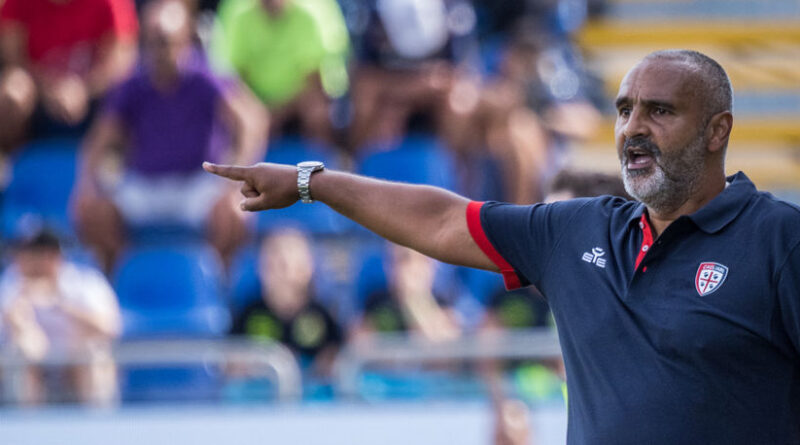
x=30 y=386
x=100 y=226
x=17 y=101
x=96 y=382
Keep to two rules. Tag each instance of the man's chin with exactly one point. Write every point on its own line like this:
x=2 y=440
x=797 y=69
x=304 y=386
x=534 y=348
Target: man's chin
x=639 y=184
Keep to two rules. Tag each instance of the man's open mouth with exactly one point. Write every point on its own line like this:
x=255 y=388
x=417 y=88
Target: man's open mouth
x=638 y=158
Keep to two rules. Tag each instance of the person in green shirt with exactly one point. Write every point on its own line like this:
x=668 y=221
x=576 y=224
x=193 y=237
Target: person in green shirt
x=291 y=53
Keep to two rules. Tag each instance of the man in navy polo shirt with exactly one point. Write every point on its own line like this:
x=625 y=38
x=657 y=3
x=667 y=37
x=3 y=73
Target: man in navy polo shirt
x=679 y=317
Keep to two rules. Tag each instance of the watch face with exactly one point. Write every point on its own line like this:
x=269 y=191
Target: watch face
x=310 y=164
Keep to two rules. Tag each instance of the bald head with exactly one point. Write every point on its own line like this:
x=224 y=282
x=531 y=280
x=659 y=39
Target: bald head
x=714 y=90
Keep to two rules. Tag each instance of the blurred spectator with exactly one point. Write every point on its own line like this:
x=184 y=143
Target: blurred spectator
x=57 y=58
x=526 y=308
x=54 y=309
x=409 y=304
x=410 y=55
x=291 y=53
x=168 y=117
x=285 y=309
x=535 y=97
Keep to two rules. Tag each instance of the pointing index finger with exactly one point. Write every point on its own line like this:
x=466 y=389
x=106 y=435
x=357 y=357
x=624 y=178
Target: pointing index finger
x=227 y=171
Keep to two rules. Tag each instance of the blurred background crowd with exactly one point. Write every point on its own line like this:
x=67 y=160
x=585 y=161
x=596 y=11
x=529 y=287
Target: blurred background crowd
x=111 y=232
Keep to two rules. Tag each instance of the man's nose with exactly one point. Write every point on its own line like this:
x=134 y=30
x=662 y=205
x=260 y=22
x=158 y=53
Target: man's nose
x=636 y=124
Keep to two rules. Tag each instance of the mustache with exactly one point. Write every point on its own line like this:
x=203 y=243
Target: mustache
x=643 y=144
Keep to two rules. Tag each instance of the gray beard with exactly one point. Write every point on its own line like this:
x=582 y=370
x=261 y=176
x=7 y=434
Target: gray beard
x=671 y=181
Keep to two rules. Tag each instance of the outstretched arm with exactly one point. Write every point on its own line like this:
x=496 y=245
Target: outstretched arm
x=427 y=219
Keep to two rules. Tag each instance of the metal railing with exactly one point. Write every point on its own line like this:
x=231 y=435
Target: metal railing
x=276 y=363
x=265 y=359
x=534 y=344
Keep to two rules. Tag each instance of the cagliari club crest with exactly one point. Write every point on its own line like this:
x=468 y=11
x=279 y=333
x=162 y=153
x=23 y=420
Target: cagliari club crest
x=709 y=278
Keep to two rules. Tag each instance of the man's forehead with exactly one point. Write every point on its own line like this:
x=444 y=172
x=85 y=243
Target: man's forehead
x=670 y=80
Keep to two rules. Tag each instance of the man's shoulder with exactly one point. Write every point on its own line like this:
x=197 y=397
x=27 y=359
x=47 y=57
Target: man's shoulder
x=768 y=202
x=775 y=215
x=605 y=206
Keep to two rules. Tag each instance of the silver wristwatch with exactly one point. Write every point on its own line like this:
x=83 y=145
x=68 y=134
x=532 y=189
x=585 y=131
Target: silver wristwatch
x=304 y=171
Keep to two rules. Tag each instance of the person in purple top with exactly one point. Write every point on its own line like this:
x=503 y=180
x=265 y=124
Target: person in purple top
x=168 y=116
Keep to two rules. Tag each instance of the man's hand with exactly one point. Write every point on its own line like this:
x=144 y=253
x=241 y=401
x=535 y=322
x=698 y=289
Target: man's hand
x=264 y=186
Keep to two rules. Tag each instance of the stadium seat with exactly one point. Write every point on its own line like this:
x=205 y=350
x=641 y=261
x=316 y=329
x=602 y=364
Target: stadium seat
x=244 y=283
x=318 y=219
x=180 y=383
x=171 y=290
x=42 y=176
x=417 y=159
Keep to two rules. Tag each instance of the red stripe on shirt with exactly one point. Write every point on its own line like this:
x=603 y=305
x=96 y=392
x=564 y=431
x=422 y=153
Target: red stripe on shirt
x=647 y=239
x=510 y=277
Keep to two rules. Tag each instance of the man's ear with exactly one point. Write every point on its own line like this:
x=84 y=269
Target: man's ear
x=719 y=130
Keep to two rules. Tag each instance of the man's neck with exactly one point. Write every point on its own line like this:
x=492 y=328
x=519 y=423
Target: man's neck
x=659 y=221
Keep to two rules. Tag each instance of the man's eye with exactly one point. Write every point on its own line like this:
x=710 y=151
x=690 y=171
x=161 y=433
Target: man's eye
x=660 y=111
x=624 y=112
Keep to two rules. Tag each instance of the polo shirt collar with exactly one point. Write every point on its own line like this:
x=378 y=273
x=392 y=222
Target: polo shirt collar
x=636 y=215
x=724 y=208
x=720 y=211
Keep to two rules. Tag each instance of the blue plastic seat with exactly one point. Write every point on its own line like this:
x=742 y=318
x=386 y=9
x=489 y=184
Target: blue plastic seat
x=43 y=173
x=245 y=286
x=417 y=159
x=172 y=290
x=318 y=219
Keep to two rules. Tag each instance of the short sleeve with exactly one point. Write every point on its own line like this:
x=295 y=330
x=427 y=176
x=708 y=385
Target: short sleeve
x=789 y=297
x=520 y=239
x=94 y=293
x=123 y=22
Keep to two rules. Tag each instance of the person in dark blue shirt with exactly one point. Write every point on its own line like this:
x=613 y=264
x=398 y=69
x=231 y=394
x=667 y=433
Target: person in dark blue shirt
x=678 y=314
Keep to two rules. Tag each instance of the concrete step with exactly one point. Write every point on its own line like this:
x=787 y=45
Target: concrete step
x=759 y=56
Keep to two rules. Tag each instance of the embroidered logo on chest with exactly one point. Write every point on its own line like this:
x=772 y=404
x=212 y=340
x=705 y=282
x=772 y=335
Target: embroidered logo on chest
x=709 y=278
x=595 y=257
